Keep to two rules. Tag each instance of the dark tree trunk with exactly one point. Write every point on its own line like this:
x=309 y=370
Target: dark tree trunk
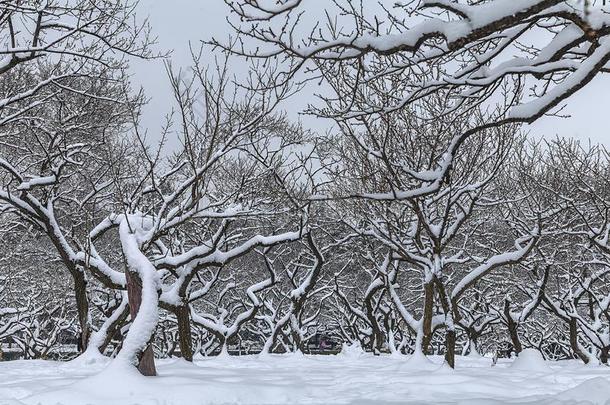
x=473 y=341
x=378 y=337
x=184 y=332
x=512 y=328
x=574 y=341
x=80 y=286
x=427 y=321
x=82 y=306
x=147 y=362
x=452 y=315
x=450 y=347
x=146 y=359
x=298 y=344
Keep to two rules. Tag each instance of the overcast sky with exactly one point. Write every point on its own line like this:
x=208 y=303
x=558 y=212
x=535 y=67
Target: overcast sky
x=177 y=22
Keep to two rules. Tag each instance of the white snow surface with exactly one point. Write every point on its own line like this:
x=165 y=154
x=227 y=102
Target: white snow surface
x=304 y=379
x=530 y=360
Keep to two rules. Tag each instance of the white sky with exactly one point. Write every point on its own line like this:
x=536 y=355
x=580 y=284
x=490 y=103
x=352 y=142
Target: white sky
x=177 y=22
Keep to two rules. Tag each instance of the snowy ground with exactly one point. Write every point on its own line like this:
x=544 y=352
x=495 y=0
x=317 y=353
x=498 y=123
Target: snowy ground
x=290 y=379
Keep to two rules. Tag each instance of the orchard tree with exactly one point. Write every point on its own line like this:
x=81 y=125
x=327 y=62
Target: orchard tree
x=54 y=46
x=518 y=60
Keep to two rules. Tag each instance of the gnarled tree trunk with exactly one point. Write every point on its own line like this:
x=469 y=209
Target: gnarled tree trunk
x=146 y=359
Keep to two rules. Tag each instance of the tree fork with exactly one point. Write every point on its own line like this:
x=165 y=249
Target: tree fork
x=113 y=328
x=449 y=308
x=512 y=328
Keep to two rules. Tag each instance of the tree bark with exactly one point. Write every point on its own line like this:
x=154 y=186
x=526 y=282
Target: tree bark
x=427 y=316
x=82 y=306
x=184 y=332
x=512 y=328
x=450 y=347
x=450 y=309
x=378 y=337
x=146 y=359
x=574 y=341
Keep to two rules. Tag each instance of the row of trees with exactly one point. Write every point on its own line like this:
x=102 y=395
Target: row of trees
x=423 y=222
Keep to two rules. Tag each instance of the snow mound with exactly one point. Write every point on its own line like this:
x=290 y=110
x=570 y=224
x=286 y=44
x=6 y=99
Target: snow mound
x=117 y=380
x=419 y=361
x=352 y=351
x=595 y=390
x=530 y=360
x=199 y=356
x=89 y=357
x=297 y=354
x=121 y=384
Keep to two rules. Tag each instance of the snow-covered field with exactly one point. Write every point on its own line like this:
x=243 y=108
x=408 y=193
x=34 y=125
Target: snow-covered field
x=290 y=379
